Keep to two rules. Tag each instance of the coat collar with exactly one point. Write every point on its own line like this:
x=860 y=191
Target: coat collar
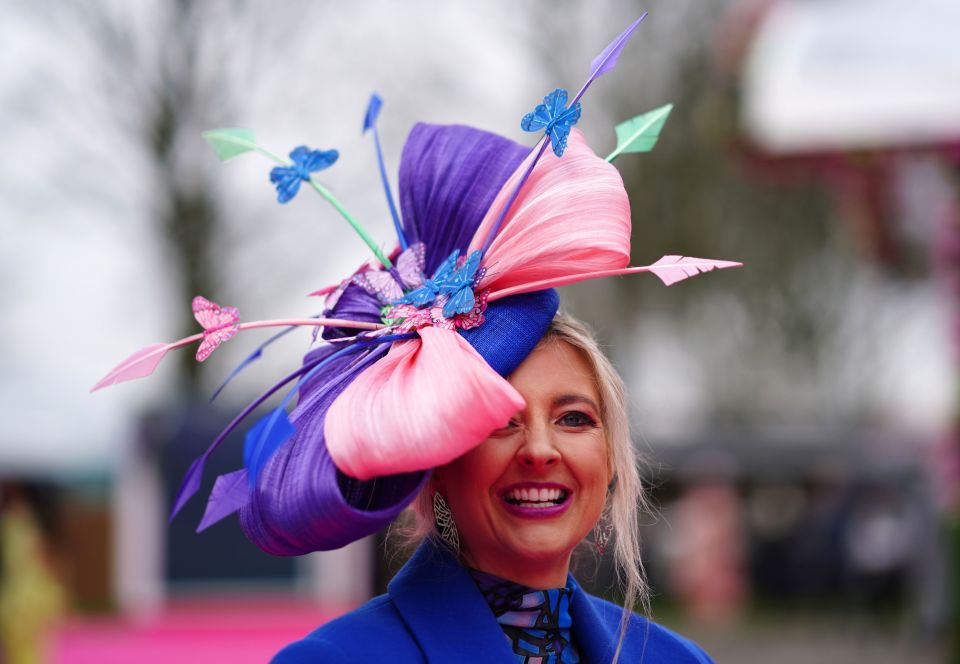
x=445 y=611
x=596 y=628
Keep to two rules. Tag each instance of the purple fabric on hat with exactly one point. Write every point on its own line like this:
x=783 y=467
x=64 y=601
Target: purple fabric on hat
x=449 y=176
x=301 y=502
x=354 y=304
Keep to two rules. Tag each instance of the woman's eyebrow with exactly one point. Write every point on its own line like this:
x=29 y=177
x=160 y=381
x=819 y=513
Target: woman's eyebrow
x=567 y=399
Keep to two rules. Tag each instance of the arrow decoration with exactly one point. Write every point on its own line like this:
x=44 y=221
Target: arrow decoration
x=640 y=134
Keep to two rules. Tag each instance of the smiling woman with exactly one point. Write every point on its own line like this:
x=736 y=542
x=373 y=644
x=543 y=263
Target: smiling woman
x=524 y=498
x=446 y=380
x=496 y=529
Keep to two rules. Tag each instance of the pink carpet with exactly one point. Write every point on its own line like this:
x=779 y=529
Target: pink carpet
x=233 y=631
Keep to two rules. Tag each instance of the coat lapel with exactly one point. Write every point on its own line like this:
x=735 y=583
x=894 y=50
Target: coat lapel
x=596 y=628
x=451 y=621
x=445 y=611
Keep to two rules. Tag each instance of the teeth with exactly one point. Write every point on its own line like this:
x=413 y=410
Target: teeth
x=534 y=496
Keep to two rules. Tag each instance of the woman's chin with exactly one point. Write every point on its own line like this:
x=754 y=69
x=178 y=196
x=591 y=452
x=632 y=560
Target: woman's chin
x=539 y=545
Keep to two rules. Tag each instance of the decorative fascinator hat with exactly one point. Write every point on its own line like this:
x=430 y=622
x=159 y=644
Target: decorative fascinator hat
x=410 y=370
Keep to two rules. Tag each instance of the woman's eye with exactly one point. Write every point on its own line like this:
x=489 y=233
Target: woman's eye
x=507 y=429
x=577 y=419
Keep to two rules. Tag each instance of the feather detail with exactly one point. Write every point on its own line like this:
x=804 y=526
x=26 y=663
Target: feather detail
x=229 y=143
x=571 y=216
x=252 y=357
x=145 y=361
x=376 y=428
x=608 y=57
x=373 y=112
x=669 y=269
x=190 y=483
x=139 y=365
x=261 y=441
x=230 y=492
x=370 y=122
x=640 y=134
x=191 y=480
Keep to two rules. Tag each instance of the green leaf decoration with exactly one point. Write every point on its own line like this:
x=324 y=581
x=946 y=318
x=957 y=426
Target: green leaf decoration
x=229 y=143
x=640 y=134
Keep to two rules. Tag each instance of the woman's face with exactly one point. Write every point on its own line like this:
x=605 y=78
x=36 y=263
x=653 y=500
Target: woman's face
x=526 y=496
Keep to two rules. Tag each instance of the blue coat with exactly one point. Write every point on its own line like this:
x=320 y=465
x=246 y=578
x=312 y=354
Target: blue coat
x=433 y=612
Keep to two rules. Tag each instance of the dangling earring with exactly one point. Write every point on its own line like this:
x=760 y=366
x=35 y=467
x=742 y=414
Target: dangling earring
x=603 y=530
x=446 y=526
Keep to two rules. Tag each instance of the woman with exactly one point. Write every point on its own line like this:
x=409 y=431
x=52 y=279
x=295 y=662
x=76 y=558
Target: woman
x=445 y=377
x=520 y=503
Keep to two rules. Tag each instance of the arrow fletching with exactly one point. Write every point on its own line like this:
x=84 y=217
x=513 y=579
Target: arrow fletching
x=373 y=110
x=671 y=269
x=228 y=143
x=640 y=134
x=230 y=492
x=140 y=364
x=608 y=57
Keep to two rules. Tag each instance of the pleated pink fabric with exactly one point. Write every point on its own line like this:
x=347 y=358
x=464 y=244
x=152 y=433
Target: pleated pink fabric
x=571 y=216
x=428 y=401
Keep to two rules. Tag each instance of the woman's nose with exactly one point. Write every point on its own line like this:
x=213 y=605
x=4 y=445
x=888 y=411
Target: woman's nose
x=538 y=449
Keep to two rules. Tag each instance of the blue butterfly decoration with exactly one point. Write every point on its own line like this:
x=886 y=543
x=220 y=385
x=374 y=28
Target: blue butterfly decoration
x=456 y=283
x=554 y=118
x=459 y=288
x=305 y=161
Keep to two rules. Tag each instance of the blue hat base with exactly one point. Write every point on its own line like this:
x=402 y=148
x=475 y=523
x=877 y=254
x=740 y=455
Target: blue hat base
x=512 y=328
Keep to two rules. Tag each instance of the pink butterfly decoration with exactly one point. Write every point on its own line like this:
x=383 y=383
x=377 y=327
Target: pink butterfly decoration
x=219 y=324
x=416 y=319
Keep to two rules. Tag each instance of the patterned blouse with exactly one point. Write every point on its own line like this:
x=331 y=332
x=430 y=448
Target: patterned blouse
x=536 y=622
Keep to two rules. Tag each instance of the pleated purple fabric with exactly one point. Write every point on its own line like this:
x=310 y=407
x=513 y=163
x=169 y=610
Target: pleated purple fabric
x=449 y=176
x=354 y=303
x=301 y=503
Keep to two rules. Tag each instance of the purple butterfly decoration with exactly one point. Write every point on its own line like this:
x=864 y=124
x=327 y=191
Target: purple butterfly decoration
x=427 y=293
x=305 y=161
x=390 y=285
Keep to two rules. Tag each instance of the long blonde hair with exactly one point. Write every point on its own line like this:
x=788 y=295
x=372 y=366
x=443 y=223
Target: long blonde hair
x=625 y=502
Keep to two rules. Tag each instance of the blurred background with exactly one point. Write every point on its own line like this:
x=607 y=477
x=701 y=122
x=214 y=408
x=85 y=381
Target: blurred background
x=799 y=416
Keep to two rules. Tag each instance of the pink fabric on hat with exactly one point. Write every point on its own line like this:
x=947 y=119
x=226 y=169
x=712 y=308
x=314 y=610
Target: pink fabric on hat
x=571 y=216
x=428 y=401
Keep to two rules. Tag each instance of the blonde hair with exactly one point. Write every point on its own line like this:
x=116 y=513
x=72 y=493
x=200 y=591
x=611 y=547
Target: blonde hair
x=625 y=502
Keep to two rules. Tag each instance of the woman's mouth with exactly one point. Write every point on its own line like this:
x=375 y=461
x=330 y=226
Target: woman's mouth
x=536 y=501
x=536 y=497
